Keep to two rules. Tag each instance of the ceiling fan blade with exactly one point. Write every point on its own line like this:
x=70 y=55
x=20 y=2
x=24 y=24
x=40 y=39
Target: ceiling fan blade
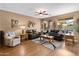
x=36 y=12
x=44 y=11
x=46 y=14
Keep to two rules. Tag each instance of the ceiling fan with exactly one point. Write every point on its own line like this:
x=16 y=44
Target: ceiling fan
x=41 y=13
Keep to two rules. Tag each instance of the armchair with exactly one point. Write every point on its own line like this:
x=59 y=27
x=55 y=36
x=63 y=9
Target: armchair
x=11 y=40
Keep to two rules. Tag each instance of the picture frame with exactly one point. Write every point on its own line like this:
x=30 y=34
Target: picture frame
x=14 y=23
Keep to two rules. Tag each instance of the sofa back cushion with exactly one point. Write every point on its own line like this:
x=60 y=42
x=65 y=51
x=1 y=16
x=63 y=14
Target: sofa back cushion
x=55 y=31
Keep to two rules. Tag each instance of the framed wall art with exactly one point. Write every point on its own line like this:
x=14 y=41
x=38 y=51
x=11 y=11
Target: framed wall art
x=14 y=23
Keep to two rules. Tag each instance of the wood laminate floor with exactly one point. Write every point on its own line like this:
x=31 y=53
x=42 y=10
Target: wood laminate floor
x=30 y=48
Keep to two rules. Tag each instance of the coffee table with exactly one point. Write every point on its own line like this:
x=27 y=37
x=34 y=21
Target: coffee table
x=49 y=38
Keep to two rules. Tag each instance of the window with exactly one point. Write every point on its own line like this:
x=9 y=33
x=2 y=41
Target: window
x=66 y=25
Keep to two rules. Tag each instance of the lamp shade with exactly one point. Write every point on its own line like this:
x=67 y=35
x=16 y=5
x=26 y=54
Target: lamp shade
x=22 y=27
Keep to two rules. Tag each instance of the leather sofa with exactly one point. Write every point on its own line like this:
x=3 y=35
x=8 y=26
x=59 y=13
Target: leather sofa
x=32 y=34
x=57 y=36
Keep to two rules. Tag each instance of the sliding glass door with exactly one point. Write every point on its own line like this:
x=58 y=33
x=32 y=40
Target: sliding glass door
x=66 y=25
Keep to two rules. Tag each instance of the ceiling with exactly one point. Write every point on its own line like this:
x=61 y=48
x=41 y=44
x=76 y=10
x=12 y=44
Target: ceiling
x=29 y=9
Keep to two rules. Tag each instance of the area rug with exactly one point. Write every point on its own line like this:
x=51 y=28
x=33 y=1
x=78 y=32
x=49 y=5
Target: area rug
x=58 y=44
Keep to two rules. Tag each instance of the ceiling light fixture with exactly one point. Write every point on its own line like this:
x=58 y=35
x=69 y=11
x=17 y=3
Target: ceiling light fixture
x=41 y=12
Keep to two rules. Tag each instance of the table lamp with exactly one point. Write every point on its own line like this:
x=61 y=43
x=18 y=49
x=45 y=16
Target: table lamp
x=22 y=27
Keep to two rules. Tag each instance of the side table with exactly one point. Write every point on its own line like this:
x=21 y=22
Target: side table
x=23 y=37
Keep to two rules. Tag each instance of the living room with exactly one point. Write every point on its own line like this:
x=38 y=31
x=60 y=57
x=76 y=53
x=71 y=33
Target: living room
x=41 y=27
